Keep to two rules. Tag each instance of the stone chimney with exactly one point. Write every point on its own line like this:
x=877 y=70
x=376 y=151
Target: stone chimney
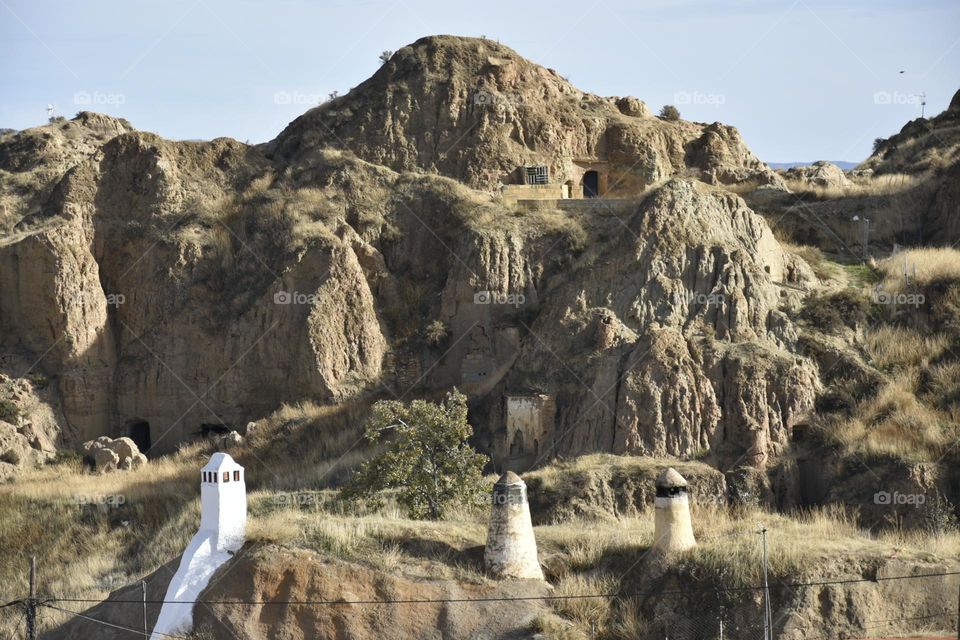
x=511 y=550
x=673 y=530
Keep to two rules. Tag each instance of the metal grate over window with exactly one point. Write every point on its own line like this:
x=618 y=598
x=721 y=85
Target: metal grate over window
x=536 y=174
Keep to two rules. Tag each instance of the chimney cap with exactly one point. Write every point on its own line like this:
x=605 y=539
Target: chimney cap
x=221 y=461
x=670 y=479
x=509 y=477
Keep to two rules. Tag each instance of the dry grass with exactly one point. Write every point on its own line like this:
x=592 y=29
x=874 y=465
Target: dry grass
x=923 y=267
x=898 y=347
x=95 y=533
x=584 y=611
x=880 y=185
x=896 y=423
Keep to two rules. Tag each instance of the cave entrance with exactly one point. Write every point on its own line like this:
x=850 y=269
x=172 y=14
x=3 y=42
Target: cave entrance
x=139 y=432
x=208 y=429
x=591 y=184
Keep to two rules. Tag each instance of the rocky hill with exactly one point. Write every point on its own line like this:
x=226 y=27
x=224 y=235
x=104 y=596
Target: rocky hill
x=165 y=282
x=474 y=110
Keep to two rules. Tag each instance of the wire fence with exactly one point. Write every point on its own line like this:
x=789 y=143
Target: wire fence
x=707 y=613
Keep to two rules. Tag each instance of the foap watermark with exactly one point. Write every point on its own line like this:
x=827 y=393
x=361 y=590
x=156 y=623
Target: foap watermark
x=112 y=500
x=295 y=297
x=696 y=97
x=882 y=296
x=885 y=498
x=495 y=297
x=701 y=299
x=298 y=499
x=298 y=98
x=112 y=299
x=897 y=98
x=482 y=97
x=98 y=99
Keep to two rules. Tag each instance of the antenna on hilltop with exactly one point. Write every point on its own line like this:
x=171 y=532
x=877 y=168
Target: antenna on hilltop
x=923 y=102
x=49 y=111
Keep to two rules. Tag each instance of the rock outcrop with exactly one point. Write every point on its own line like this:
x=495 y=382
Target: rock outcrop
x=820 y=174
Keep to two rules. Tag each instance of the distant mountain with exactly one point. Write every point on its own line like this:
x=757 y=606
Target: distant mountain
x=843 y=164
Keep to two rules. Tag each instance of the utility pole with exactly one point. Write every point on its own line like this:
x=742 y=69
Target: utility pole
x=721 y=628
x=767 y=617
x=31 y=603
x=866 y=238
x=143 y=589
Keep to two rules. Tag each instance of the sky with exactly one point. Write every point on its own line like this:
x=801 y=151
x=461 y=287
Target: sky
x=803 y=80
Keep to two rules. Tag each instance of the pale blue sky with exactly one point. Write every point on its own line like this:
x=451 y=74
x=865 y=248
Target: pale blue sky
x=799 y=78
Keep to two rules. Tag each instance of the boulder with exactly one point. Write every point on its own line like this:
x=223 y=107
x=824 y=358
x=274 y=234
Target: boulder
x=104 y=460
x=106 y=454
x=14 y=448
x=124 y=447
x=630 y=106
x=232 y=439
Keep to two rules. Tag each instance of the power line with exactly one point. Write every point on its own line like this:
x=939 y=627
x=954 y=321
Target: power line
x=110 y=624
x=616 y=594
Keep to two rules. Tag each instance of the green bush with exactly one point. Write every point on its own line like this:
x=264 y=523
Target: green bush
x=670 y=112
x=427 y=457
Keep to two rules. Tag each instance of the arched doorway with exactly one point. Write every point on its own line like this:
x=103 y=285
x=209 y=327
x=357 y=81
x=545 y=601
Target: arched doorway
x=591 y=184
x=139 y=431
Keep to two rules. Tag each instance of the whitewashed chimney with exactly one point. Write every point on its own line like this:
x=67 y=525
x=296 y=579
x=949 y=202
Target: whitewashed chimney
x=223 y=522
x=673 y=530
x=223 y=501
x=511 y=550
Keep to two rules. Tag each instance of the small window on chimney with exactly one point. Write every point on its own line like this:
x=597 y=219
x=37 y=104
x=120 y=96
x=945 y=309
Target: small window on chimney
x=226 y=476
x=236 y=476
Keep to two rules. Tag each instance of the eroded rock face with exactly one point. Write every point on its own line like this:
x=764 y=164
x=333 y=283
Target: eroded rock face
x=142 y=311
x=696 y=351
